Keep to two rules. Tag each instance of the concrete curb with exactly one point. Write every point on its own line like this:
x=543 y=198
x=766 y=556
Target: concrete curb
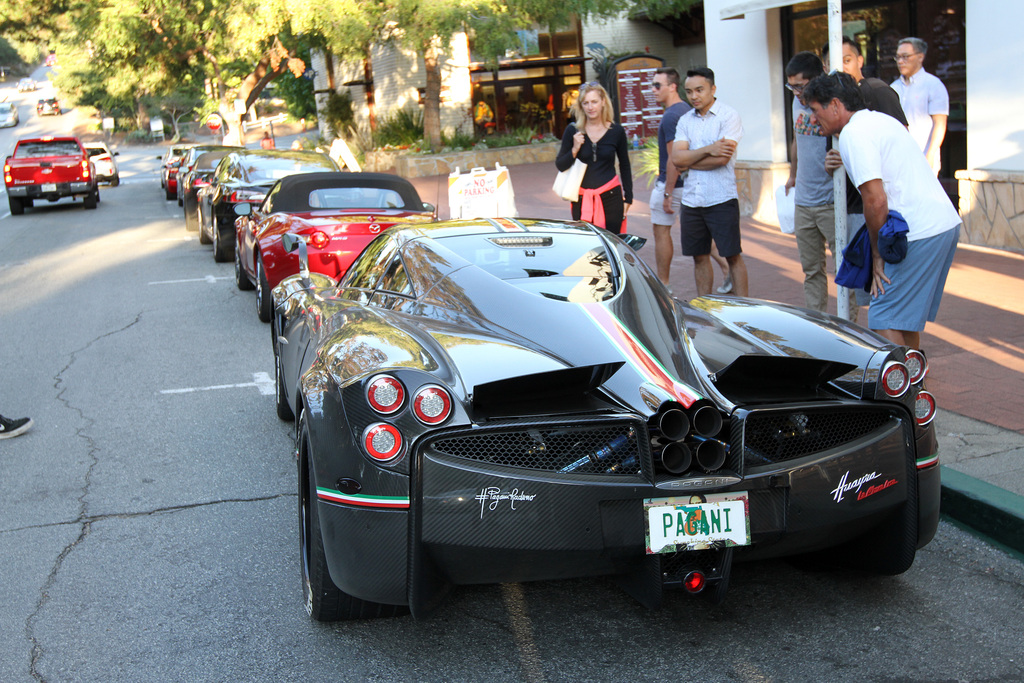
x=984 y=507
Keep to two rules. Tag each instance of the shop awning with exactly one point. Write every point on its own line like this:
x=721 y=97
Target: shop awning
x=736 y=10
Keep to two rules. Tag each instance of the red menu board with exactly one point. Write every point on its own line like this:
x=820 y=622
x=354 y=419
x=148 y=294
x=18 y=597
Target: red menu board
x=639 y=113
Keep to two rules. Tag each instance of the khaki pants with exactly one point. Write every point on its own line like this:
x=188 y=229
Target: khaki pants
x=815 y=228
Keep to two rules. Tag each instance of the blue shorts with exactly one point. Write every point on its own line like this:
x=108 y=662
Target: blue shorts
x=913 y=296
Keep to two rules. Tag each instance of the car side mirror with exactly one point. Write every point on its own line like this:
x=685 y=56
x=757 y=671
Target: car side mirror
x=244 y=209
x=290 y=241
x=634 y=242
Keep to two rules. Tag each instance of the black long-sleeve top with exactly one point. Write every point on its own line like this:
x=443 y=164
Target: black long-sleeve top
x=600 y=167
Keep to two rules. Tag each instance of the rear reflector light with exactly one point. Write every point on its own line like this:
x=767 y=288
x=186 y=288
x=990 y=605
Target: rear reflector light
x=917 y=366
x=385 y=394
x=432 y=405
x=694 y=582
x=924 y=408
x=382 y=441
x=319 y=239
x=895 y=379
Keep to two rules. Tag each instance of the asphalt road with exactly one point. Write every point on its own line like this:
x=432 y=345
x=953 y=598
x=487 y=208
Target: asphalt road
x=148 y=526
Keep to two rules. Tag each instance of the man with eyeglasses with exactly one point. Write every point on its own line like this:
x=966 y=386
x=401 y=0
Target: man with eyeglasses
x=924 y=98
x=815 y=221
x=885 y=164
x=668 y=189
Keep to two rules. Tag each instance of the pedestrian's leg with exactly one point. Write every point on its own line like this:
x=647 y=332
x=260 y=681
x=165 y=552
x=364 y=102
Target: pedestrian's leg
x=703 y=274
x=810 y=244
x=663 y=251
x=738 y=270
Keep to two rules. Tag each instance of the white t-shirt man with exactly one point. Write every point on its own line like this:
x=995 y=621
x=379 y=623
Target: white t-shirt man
x=873 y=146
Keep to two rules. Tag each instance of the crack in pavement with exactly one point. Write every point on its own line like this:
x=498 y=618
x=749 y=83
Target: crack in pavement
x=90 y=519
x=83 y=506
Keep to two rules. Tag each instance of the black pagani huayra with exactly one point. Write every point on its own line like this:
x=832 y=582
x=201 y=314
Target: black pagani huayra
x=500 y=400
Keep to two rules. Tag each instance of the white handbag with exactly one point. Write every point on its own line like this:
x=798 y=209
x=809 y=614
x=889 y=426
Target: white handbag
x=567 y=183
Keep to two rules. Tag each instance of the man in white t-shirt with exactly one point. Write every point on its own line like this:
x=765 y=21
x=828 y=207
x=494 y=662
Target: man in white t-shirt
x=924 y=98
x=886 y=165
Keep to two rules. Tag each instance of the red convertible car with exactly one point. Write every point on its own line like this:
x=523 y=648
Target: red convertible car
x=337 y=214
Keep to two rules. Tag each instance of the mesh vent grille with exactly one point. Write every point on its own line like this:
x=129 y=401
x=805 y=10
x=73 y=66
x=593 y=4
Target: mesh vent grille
x=772 y=437
x=599 y=449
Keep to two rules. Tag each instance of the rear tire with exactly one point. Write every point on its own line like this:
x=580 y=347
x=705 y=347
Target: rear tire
x=91 y=200
x=115 y=181
x=17 y=205
x=220 y=247
x=264 y=301
x=170 y=195
x=241 y=277
x=323 y=600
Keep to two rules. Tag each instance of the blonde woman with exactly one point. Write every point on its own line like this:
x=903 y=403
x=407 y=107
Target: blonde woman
x=597 y=141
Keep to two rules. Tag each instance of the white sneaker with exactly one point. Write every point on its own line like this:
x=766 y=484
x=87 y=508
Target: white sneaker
x=726 y=286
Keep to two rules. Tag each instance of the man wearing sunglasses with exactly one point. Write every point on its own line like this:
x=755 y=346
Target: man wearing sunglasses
x=668 y=189
x=924 y=98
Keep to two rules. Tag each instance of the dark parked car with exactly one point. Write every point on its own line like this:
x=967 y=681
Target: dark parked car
x=245 y=176
x=501 y=400
x=194 y=172
x=337 y=214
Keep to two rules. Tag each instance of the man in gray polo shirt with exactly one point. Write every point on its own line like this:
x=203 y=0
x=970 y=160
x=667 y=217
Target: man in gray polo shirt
x=815 y=215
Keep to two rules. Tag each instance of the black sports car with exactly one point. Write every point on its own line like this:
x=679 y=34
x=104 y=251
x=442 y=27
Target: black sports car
x=505 y=400
x=245 y=177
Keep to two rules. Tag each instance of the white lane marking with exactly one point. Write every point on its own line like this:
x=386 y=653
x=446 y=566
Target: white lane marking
x=186 y=238
x=209 y=278
x=261 y=380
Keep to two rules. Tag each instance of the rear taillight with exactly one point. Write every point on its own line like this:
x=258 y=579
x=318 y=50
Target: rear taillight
x=319 y=239
x=924 y=408
x=917 y=366
x=432 y=405
x=385 y=394
x=382 y=441
x=246 y=196
x=895 y=379
x=199 y=182
x=85 y=169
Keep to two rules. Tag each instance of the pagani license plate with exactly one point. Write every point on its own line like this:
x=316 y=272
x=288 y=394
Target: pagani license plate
x=49 y=187
x=697 y=522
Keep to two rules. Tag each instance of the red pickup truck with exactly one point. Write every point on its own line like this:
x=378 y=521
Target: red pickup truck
x=49 y=168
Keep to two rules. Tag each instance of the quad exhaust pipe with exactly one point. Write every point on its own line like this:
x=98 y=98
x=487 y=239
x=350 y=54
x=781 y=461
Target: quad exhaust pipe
x=685 y=439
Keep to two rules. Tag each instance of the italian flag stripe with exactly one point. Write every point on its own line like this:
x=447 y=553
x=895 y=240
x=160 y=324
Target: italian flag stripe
x=637 y=355
x=362 y=500
x=925 y=462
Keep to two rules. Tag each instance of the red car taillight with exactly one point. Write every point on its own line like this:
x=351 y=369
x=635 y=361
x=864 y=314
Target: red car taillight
x=199 y=182
x=917 y=365
x=319 y=239
x=85 y=169
x=383 y=442
x=895 y=379
x=245 y=196
x=385 y=394
x=924 y=408
x=432 y=405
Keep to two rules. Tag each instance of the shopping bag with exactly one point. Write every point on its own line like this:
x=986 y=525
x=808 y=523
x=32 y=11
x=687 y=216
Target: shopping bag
x=567 y=183
x=785 y=205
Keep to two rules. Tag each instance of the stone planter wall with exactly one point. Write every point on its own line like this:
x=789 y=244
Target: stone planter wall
x=418 y=165
x=755 y=184
x=992 y=208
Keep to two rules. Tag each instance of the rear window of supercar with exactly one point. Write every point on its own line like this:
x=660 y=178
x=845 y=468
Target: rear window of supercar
x=564 y=267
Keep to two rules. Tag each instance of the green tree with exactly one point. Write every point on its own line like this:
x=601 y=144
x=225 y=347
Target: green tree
x=426 y=26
